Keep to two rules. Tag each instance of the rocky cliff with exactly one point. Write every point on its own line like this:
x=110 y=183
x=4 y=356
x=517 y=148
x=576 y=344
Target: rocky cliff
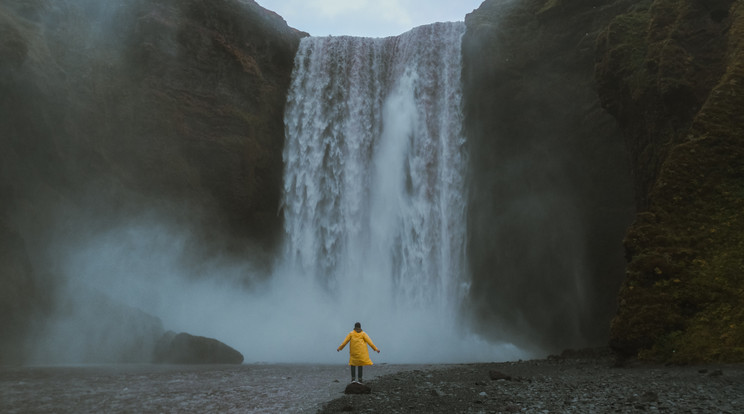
x=672 y=72
x=541 y=78
x=112 y=109
x=551 y=194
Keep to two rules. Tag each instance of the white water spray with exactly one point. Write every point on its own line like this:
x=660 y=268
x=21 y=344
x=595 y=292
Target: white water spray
x=374 y=196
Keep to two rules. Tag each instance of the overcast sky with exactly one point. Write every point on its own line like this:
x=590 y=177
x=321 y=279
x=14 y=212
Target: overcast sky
x=369 y=18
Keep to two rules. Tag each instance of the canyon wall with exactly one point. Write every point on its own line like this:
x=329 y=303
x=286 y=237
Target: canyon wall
x=541 y=78
x=671 y=73
x=111 y=110
x=550 y=177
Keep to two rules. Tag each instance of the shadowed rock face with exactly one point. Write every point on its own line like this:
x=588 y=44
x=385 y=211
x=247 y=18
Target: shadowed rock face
x=166 y=99
x=671 y=73
x=111 y=108
x=539 y=77
x=550 y=182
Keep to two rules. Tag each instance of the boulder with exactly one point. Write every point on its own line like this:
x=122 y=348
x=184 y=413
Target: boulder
x=497 y=375
x=356 y=388
x=184 y=348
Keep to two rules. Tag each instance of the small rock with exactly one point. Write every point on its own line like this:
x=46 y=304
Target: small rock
x=496 y=375
x=649 y=396
x=356 y=388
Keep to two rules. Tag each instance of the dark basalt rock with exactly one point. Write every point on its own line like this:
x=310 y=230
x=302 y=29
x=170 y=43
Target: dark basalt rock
x=549 y=172
x=106 y=107
x=184 y=348
x=497 y=375
x=670 y=73
x=356 y=388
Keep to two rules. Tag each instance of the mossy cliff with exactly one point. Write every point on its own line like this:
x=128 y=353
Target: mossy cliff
x=539 y=78
x=672 y=73
x=110 y=111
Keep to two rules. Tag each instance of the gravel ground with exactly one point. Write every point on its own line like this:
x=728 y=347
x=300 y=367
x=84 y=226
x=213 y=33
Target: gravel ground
x=146 y=388
x=555 y=385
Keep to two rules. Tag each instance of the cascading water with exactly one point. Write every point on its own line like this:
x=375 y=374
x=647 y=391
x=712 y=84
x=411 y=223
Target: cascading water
x=374 y=164
x=374 y=199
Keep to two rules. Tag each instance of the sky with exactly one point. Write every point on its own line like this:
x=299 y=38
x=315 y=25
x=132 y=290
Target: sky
x=367 y=18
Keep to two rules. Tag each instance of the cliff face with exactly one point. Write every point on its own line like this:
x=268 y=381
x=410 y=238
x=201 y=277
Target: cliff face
x=671 y=73
x=541 y=78
x=172 y=99
x=110 y=109
x=551 y=193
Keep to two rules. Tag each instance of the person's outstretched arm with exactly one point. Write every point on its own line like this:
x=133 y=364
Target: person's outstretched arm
x=346 y=341
x=368 y=340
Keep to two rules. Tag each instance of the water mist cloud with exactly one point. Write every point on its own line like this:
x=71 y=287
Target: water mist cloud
x=143 y=267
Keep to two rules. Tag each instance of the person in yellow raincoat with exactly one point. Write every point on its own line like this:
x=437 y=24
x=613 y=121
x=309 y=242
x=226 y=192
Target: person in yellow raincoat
x=358 y=353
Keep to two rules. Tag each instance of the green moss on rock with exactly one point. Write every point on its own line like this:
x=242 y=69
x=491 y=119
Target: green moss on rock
x=681 y=301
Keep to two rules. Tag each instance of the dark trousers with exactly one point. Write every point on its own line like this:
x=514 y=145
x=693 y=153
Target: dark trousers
x=353 y=373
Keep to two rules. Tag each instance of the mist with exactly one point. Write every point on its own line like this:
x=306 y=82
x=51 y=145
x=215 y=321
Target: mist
x=144 y=265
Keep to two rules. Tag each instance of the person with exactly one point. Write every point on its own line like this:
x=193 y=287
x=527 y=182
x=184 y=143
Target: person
x=358 y=352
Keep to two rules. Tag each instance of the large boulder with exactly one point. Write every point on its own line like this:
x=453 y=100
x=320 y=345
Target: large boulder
x=357 y=388
x=184 y=348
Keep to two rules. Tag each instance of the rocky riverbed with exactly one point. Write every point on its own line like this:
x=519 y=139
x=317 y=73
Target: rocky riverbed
x=152 y=388
x=577 y=384
x=568 y=384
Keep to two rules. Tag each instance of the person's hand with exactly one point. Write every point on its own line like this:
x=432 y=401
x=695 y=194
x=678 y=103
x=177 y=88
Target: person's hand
x=338 y=350
x=378 y=351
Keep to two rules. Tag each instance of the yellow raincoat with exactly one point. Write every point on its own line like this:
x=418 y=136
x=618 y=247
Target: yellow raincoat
x=358 y=353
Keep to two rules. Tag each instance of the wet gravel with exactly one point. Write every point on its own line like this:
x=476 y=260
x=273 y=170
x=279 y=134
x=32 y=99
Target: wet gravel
x=255 y=388
x=556 y=385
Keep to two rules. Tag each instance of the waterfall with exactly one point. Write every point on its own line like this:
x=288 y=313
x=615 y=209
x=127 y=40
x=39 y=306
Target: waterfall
x=374 y=206
x=374 y=164
x=374 y=190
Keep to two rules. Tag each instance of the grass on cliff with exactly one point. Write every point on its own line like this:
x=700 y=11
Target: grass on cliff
x=683 y=299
